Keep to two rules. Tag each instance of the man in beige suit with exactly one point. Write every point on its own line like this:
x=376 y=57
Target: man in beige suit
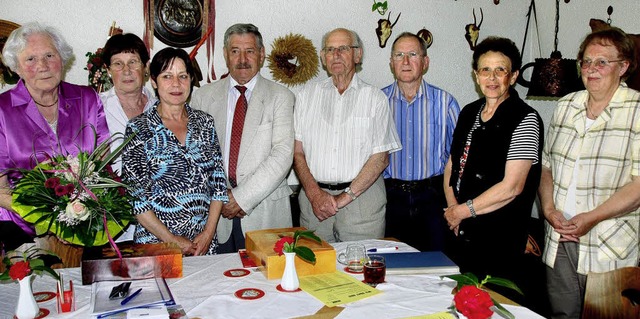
x=258 y=190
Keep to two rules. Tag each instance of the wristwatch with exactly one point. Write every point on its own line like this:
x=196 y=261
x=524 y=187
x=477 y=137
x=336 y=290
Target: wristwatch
x=350 y=193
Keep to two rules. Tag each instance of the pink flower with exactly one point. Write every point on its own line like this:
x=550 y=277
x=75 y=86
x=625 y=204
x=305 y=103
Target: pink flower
x=473 y=302
x=279 y=247
x=77 y=210
x=19 y=270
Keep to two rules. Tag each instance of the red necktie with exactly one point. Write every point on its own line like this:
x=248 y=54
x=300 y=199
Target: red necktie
x=236 y=134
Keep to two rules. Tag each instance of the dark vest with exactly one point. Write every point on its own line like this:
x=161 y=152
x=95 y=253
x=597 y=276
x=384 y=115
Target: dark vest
x=506 y=228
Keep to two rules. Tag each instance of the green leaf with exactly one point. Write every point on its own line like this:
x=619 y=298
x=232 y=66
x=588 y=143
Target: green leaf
x=504 y=283
x=305 y=254
x=465 y=279
x=503 y=309
x=307 y=234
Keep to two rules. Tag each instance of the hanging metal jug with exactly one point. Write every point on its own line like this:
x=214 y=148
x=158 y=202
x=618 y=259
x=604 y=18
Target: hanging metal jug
x=553 y=77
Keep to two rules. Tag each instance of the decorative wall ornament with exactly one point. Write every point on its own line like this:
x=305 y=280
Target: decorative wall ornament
x=553 y=77
x=178 y=23
x=384 y=29
x=293 y=60
x=426 y=36
x=6 y=75
x=473 y=30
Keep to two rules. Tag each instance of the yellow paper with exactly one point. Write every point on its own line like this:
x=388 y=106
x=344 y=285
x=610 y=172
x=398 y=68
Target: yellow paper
x=336 y=288
x=439 y=315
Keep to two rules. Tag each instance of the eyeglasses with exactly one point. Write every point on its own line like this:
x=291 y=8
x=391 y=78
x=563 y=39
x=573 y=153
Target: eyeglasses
x=487 y=72
x=119 y=65
x=597 y=63
x=399 y=56
x=341 y=49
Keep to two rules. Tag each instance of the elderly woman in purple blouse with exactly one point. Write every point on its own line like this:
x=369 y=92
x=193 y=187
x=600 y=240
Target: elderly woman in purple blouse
x=40 y=116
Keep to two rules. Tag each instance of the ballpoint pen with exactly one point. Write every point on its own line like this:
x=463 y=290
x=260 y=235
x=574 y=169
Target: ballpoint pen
x=382 y=250
x=130 y=297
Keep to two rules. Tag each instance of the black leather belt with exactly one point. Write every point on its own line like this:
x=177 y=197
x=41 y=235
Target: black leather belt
x=410 y=186
x=334 y=187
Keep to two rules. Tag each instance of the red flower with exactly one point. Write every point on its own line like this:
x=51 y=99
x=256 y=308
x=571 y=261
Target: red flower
x=280 y=244
x=60 y=190
x=19 y=270
x=122 y=191
x=52 y=182
x=69 y=188
x=473 y=302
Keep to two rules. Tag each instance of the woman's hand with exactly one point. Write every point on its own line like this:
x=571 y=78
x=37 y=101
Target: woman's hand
x=188 y=248
x=455 y=214
x=202 y=242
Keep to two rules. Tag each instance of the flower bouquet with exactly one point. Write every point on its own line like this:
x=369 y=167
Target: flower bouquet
x=31 y=261
x=78 y=198
x=288 y=244
x=474 y=302
x=98 y=75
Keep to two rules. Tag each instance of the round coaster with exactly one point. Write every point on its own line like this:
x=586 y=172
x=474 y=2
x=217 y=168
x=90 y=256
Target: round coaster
x=346 y=269
x=43 y=296
x=236 y=272
x=279 y=288
x=249 y=293
x=43 y=313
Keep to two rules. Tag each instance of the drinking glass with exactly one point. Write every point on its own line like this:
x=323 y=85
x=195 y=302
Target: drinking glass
x=353 y=257
x=374 y=270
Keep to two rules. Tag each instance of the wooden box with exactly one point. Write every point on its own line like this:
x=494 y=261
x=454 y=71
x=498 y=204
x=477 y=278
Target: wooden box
x=260 y=245
x=139 y=261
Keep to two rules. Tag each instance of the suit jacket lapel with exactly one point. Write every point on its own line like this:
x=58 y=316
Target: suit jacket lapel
x=219 y=110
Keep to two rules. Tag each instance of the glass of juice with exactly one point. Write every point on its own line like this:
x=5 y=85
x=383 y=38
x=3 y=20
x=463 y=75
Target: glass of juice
x=374 y=270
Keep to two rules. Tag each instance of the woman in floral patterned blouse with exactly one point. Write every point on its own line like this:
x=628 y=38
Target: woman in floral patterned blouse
x=174 y=164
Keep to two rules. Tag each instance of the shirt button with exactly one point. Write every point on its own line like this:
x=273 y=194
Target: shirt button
x=461 y=232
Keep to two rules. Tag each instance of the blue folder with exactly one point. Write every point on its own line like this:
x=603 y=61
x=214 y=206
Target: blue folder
x=427 y=262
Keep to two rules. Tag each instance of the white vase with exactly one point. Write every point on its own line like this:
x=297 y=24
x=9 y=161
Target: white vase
x=27 y=307
x=290 y=280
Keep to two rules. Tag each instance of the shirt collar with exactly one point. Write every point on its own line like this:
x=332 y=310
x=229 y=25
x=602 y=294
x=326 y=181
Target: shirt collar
x=249 y=85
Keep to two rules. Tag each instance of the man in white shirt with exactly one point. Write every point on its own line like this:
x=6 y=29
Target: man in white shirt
x=343 y=136
x=258 y=189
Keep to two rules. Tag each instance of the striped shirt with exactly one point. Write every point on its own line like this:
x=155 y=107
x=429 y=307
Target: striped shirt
x=339 y=132
x=609 y=157
x=425 y=127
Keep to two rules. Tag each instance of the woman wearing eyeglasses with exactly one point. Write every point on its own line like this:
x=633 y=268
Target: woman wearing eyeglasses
x=493 y=172
x=590 y=189
x=42 y=116
x=127 y=62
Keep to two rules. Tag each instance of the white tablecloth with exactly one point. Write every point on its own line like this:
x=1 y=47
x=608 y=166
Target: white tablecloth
x=204 y=292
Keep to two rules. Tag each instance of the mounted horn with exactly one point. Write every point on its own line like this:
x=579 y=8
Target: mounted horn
x=384 y=29
x=473 y=30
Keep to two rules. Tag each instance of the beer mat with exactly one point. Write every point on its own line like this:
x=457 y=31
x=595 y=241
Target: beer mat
x=279 y=288
x=249 y=293
x=247 y=262
x=347 y=270
x=43 y=296
x=236 y=272
x=43 y=313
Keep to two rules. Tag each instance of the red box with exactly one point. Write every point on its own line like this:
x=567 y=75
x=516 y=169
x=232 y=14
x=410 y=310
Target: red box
x=139 y=261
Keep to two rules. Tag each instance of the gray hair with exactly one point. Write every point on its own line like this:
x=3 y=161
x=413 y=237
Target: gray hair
x=423 y=43
x=243 y=28
x=355 y=39
x=17 y=42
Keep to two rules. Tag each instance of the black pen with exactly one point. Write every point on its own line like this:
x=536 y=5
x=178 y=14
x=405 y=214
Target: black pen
x=133 y=295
